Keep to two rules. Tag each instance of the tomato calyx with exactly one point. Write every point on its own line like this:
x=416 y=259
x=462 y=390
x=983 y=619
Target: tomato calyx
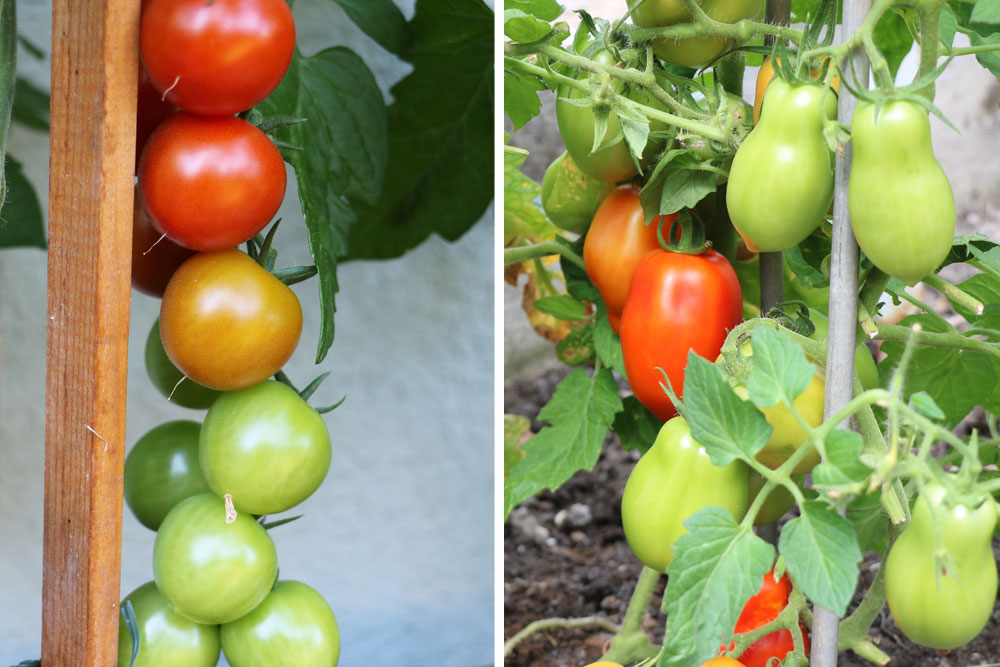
x=686 y=235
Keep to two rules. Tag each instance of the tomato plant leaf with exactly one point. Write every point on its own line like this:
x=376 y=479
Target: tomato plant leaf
x=957 y=380
x=893 y=39
x=948 y=25
x=381 y=20
x=577 y=348
x=717 y=566
x=780 y=372
x=548 y=10
x=871 y=523
x=439 y=177
x=607 y=343
x=522 y=27
x=562 y=306
x=21 y=222
x=580 y=413
x=520 y=97
x=31 y=106
x=516 y=431
x=984 y=287
x=726 y=426
x=8 y=80
x=986 y=11
x=521 y=215
x=577 y=282
x=842 y=465
x=925 y=405
x=635 y=425
x=822 y=555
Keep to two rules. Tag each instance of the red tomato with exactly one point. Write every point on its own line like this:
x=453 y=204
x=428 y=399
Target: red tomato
x=210 y=183
x=760 y=610
x=227 y=323
x=216 y=58
x=675 y=303
x=151 y=110
x=617 y=240
x=154 y=257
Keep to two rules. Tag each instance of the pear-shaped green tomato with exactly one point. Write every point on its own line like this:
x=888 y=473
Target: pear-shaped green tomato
x=611 y=162
x=781 y=182
x=672 y=481
x=901 y=205
x=946 y=605
x=166 y=639
x=570 y=197
x=693 y=51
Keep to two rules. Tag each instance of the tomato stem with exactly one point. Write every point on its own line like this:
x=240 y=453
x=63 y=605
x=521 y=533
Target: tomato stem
x=954 y=293
x=543 y=249
x=631 y=644
x=563 y=623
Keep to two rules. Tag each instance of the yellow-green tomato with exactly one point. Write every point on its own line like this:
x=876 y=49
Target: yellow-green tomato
x=943 y=605
x=787 y=434
x=692 y=51
x=611 y=162
x=673 y=480
x=569 y=197
x=293 y=627
x=901 y=205
x=166 y=639
x=781 y=182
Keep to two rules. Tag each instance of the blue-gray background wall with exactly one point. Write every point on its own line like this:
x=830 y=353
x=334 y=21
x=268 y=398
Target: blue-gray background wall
x=399 y=538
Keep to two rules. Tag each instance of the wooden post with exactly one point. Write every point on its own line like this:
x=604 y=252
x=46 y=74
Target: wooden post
x=94 y=69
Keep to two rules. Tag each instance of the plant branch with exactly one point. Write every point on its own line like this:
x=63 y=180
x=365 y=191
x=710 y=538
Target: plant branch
x=953 y=340
x=631 y=643
x=954 y=293
x=560 y=623
x=543 y=249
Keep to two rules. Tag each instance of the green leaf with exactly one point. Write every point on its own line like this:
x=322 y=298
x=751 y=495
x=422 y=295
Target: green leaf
x=439 y=178
x=516 y=430
x=986 y=11
x=577 y=348
x=8 y=80
x=31 y=106
x=678 y=181
x=957 y=380
x=580 y=413
x=563 y=306
x=21 y=222
x=985 y=35
x=607 y=343
x=636 y=426
x=822 y=555
x=842 y=465
x=381 y=20
x=804 y=10
x=547 y=10
x=780 y=372
x=893 y=39
x=717 y=566
x=724 y=424
x=521 y=215
x=870 y=522
x=577 y=282
x=522 y=27
x=925 y=405
x=948 y=25
x=520 y=97
x=986 y=289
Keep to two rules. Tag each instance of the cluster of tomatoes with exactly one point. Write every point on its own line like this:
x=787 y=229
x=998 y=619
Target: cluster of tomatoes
x=209 y=180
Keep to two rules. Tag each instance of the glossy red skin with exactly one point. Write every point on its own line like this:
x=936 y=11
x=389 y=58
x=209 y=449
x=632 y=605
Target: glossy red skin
x=675 y=303
x=761 y=609
x=618 y=238
x=151 y=110
x=210 y=183
x=216 y=58
x=154 y=257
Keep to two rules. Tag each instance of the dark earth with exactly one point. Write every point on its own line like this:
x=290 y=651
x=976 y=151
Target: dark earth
x=575 y=563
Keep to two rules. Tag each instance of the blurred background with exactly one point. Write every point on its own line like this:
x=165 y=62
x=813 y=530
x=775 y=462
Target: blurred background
x=399 y=538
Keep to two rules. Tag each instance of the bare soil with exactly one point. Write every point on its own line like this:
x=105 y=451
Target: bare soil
x=565 y=556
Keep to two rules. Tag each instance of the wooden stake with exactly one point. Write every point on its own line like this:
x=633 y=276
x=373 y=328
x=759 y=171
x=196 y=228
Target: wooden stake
x=93 y=105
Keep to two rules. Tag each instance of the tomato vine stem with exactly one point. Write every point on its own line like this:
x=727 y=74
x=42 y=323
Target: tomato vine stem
x=543 y=249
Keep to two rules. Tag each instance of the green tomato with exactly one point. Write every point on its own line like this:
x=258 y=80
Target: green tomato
x=787 y=434
x=211 y=571
x=570 y=197
x=166 y=639
x=165 y=376
x=947 y=605
x=265 y=446
x=778 y=501
x=781 y=182
x=673 y=480
x=692 y=52
x=292 y=627
x=901 y=205
x=612 y=162
x=161 y=470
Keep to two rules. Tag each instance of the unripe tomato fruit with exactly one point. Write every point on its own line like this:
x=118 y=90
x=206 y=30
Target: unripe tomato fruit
x=208 y=570
x=170 y=382
x=265 y=446
x=227 y=323
x=603 y=663
x=692 y=52
x=781 y=182
x=165 y=637
x=210 y=182
x=161 y=470
x=676 y=303
x=944 y=608
x=569 y=197
x=293 y=626
x=787 y=435
x=216 y=58
x=617 y=239
x=766 y=73
x=673 y=480
x=762 y=608
x=901 y=205
x=154 y=257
